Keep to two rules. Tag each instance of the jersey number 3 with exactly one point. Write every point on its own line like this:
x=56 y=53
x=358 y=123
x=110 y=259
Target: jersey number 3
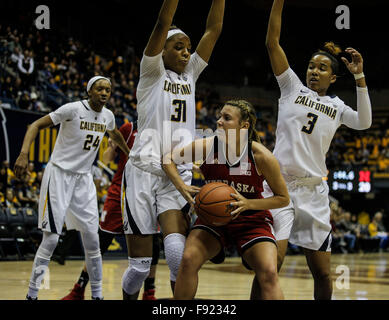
x=311 y=123
x=180 y=111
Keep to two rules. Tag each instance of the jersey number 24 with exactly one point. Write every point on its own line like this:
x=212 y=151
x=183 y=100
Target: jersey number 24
x=89 y=141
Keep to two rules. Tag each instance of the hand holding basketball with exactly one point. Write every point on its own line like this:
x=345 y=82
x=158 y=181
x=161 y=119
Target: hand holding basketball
x=241 y=204
x=188 y=191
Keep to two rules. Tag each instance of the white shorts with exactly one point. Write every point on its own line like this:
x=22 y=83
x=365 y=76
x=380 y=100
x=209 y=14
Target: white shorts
x=145 y=196
x=305 y=221
x=67 y=197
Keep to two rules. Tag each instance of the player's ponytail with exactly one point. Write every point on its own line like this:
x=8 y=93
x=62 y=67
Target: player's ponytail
x=247 y=113
x=331 y=50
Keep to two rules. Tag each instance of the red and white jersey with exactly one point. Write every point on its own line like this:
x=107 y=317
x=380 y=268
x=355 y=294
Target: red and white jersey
x=166 y=111
x=306 y=125
x=129 y=133
x=242 y=175
x=80 y=134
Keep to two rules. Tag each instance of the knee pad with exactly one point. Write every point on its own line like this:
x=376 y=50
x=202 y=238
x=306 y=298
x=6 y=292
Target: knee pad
x=174 y=244
x=136 y=274
x=92 y=254
x=48 y=245
x=90 y=241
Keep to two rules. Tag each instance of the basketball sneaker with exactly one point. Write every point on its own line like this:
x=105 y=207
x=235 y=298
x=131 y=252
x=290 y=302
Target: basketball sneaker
x=31 y=298
x=149 y=295
x=77 y=293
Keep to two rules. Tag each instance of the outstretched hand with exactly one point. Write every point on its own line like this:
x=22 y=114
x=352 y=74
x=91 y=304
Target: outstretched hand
x=356 y=64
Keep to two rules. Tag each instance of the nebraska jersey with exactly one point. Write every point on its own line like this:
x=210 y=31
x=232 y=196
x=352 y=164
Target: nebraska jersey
x=80 y=134
x=242 y=175
x=166 y=111
x=128 y=132
x=306 y=125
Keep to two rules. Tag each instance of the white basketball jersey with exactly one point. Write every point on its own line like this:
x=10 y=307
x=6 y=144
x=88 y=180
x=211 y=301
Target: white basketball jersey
x=306 y=125
x=80 y=134
x=166 y=111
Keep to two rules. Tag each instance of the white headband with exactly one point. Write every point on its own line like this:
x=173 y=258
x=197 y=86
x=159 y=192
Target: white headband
x=173 y=32
x=93 y=80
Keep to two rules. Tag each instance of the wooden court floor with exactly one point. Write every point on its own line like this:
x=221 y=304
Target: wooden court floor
x=355 y=276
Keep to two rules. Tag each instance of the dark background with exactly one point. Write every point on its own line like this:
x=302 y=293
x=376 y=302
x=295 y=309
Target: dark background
x=240 y=51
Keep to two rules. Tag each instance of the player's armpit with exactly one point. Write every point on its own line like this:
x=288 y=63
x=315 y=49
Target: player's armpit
x=270 y=169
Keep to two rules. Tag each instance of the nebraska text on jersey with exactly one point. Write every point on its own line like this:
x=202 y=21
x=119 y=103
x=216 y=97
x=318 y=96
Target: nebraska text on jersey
x=240 y=187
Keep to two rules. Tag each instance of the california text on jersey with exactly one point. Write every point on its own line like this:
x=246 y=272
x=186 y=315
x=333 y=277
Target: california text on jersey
x=91 y=126
x=177 y=88
x=327 y=110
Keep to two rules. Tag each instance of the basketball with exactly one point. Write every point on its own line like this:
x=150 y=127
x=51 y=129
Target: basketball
x=212 y=203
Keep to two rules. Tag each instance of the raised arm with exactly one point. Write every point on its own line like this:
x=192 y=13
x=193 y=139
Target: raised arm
x=278 y=60
x=158 y=36
x=361 y=119
x=213 y=30
x=21 y=162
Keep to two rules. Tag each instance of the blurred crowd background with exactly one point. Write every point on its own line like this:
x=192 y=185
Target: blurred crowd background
x=41 y=70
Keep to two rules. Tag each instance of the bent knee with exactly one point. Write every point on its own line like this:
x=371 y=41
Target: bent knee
x=267 y=277
x=321 y=276
x=191 y=260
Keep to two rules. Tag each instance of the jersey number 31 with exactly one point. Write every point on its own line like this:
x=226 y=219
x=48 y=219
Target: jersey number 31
x=180 y=111
x=311 y=123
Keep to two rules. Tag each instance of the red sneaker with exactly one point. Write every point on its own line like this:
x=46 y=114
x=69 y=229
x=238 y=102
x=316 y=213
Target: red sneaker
x=77 y=293
x=149 y=295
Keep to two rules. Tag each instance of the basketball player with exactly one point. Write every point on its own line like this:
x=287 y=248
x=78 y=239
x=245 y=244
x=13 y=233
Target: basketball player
x=111 y=223
x=67 y=181
x=166 y=114
x=307 y=121
x=251 y=229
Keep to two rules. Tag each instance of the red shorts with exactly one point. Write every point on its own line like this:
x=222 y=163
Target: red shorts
x=111 y=218
x=243 y=232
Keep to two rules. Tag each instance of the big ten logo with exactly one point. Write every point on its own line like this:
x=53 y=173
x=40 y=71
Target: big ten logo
x=364 y=184
x=364 y=176
x=42 y=147
x=343 y=21
x=343 y=280
x=43 y=277
x=103 y=146
x=43 y=20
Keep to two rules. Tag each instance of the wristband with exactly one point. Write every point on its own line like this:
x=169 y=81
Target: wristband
x=359 y=76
